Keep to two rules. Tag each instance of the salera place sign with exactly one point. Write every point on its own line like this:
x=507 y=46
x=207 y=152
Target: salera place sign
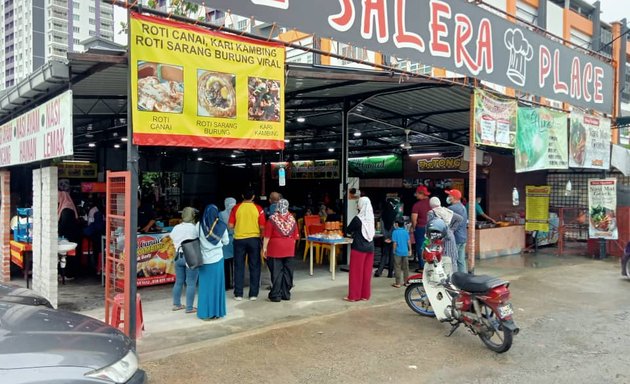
x=455 y=34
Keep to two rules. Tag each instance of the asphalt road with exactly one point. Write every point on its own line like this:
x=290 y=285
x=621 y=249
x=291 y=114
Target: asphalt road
x=574 y=320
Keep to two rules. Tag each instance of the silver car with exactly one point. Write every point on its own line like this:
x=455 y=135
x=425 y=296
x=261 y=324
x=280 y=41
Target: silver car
x=39 y=344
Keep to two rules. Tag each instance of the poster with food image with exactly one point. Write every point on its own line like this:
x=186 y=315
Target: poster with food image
x=589 y=141
x=156 y=259
x=216 y=94
x=541 y=140
x=160 y=87
x=495 y=120
x=193 y=87
x=602 y=209
x=264 y=99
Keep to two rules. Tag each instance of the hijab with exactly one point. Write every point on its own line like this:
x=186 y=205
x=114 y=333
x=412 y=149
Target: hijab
x=65 y=202
x=389 y=214
x=229 y=203
x=282 y=219
x=188 y=215
x=212 y=227
x=440 y=211
x=366 y=215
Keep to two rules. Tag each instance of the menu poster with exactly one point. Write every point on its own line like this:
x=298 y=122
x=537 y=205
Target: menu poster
x=192 y=87
x=537 y=207
x=589 y=141
x=602 y=209
x=541 y=140
x=495 y=120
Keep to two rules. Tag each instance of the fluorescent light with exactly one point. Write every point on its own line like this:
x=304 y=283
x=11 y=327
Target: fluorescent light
x=199 y=158
x=116 y=145
x=357 y=134
x=76 y=161
x=287 y=140
x=233 y=156
x=91 y=145
x=238 y=165
x=300 y=119
x=255 y=163
x=123 y=139
x=331 y=149
x=195 y=149
x=428 y=154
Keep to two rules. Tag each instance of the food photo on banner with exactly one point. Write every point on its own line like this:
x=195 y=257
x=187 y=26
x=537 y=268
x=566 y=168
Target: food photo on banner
x=541 y=140
x=495 y=120
x=589 y=141
x=193 y=87
x=156 y=259
x=602 y=209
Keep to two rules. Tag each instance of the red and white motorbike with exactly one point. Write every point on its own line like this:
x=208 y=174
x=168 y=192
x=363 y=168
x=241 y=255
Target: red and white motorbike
x=479 y=302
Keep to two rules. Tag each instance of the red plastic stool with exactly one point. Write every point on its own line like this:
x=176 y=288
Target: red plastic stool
x=116 y=317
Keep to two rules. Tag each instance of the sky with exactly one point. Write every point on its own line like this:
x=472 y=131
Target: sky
x=612 y=10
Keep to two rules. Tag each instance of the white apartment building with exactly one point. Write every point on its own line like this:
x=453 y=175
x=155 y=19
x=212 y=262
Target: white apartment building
x=37 y=31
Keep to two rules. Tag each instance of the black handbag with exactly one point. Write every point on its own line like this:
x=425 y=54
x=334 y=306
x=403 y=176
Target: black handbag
x=191 y=249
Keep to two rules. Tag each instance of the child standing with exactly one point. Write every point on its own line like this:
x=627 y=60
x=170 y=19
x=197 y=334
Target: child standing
x=402 y=251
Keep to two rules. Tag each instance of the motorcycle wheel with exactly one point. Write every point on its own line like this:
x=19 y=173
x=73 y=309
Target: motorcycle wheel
x=496 y=337
x=417 y=299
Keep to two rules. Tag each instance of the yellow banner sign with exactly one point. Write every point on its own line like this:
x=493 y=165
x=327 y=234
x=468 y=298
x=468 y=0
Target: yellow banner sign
x=537 y=207
x=197 y=88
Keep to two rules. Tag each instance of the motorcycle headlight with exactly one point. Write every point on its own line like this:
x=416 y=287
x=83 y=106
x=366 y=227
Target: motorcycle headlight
x=120 y=371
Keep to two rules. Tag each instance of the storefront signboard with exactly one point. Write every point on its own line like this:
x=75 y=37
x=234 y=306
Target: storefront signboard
x=541 y=140
x=196 y=88
x=442 y=164
x=495 y=120
x=315 y=169
x=77 y=170
x=375 y=166
x=537 y=207
x=460 y=36
x=589 y=141
x=42 y=133
x=602 y=209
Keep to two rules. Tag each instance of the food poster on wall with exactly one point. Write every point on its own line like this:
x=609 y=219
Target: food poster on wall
x=602 y=209
x=537 y=207
x=197 y=88
x=541 y=140
x=589 y=141
x=156 y=259
x=495 y=120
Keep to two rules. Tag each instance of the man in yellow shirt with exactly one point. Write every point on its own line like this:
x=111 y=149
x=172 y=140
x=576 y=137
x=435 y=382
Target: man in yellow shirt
x=248 y=221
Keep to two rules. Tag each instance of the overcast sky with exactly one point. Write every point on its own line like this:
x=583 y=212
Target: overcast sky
x=612 y=10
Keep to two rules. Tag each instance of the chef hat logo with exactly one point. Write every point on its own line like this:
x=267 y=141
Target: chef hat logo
x=520 y=53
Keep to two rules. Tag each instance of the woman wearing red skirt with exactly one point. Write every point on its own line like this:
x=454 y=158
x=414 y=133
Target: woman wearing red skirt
x=361 y=228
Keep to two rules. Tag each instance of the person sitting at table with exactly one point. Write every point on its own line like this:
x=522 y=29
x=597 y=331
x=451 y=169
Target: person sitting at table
x=331 y=214
x=69 y=228
x=281 y=232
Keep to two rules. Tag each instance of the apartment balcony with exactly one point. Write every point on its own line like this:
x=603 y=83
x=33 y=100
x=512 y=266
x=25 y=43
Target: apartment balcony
x=59 y=4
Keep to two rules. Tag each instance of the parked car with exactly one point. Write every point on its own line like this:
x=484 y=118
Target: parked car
x=39 y=344
x=19 y=295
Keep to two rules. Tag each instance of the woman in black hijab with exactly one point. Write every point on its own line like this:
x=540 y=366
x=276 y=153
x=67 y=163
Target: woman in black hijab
x=387 y=227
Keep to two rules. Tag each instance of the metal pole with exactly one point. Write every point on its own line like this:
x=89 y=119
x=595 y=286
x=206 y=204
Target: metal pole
x=345 y=154
x=132 y=168
x=472 y=185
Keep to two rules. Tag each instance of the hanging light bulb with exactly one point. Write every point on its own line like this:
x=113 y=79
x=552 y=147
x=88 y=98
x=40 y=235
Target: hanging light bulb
x=568 y=188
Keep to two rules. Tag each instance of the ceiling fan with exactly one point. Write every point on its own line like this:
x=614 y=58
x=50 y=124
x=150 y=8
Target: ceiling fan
x=406 y=145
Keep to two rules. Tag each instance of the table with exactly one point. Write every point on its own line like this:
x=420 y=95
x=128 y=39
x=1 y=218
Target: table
x=21 y=255
x=333 y=251
x=499 y=241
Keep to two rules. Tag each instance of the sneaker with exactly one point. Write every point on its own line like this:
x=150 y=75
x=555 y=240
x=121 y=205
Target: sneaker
x=238 y=298
x=253 y=298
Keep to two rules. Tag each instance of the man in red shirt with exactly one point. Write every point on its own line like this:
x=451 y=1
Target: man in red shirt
x=248 y=221
x=419 y=213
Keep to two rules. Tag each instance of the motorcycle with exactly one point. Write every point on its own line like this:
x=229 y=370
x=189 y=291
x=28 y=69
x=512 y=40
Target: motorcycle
x=479 y=302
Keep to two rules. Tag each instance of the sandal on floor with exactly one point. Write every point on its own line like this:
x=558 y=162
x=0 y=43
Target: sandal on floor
x=396 y=285
x=348 y=299
x=178 y=307
x=194 y=310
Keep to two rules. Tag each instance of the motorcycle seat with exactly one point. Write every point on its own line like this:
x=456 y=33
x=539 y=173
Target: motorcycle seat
x=475 y=283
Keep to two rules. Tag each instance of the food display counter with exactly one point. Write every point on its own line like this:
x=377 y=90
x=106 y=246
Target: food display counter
x=499 y=241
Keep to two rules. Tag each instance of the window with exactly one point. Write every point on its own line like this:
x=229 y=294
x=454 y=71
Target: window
x=92 y=33
x=92 y=22
x=242 y=25
x=580 y=39
x=352 y=53
x=76 y=17
x=75 y=41
x=75 y=5
x=526 y=12
x=92 y=10
x=76 y=29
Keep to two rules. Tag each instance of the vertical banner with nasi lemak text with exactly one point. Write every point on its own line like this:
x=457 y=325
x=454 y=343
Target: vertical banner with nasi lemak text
x=589 y=141
x=44 y=132
x=192 y=87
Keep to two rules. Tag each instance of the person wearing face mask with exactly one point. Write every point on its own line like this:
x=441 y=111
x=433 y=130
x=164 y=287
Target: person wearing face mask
x=454 y=200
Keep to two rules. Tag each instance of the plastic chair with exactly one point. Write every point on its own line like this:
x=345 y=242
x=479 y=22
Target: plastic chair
x=309 y=229
x=116 y=318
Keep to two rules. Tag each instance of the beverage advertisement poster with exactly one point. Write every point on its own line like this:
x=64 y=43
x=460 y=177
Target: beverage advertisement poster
x=495 y=120
x=589 y=141
x=537 y=207
x=602 y=209
x=541 y=140
x=192 y=87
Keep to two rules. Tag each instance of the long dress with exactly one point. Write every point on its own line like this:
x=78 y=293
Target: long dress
x=211 y=296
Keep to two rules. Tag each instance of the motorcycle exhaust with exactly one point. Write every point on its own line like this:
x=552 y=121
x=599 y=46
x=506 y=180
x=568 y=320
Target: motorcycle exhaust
x=509 y=324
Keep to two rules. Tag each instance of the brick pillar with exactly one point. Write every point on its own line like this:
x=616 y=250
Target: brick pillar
x=5 y=223
x=45 y=233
